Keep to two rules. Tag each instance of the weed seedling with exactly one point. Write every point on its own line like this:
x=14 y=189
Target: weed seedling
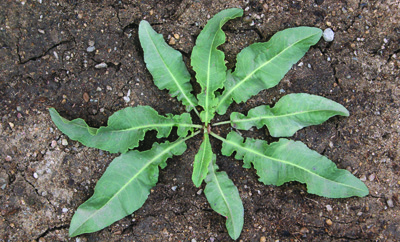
x=126 y=184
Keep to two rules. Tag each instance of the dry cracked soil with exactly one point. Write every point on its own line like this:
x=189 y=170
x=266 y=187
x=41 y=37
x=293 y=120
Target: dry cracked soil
x=83 y=57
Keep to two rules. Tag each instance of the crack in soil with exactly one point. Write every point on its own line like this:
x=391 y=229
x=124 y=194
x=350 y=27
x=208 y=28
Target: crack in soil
x=36 y=190
x=51 y=229
x=34 y=58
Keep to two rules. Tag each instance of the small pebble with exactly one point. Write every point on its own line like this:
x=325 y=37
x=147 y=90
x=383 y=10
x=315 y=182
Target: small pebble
x=174 y=188
x=64 y=142
x=8 y=158
x=98 y=89
x=64 y=210
x=328 y=35
x=53 y=144
x=91 y=49
x=263 y=239
x=86 y=97
x=176 y=36
x=390 y=203
x=363 y=178
x=328 y=222
x=329 y=208
x=101 y=65
x=91 y=43
x=172 y=41
x=304 y=230
x=247 y=19
x=35 y=175
x=199 y=191
x=19 y=108
x=127 y=98
x=108 y=88
x=371 y=177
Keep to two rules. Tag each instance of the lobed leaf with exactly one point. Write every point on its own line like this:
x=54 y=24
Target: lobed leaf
x=209 y=62
x=290 y=114
x=125 y=128
x=287 y=160
x=202 y=161
x=262 y=65
x=113 y=199
x=166 y=66
x=224 y=198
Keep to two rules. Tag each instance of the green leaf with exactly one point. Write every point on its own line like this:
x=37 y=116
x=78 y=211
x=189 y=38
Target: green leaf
x=262 y=65
x=290 y=114
x=287 y=160
x=224 y=198
x=125 y=128
x=166 y=66
x=209 y=62
x=123 y=188
x=202 y=161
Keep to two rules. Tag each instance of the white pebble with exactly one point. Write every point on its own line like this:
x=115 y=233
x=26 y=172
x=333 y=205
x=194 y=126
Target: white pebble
x=390 y=203
x=300 y=64
x=127 y=98
x=174 y=188
x=328 y=35
x=329 y=208
x=101 y=65
x=90 y=49
x=371 y=177
x=35 y=175
x=64 y=142
x=64 y=210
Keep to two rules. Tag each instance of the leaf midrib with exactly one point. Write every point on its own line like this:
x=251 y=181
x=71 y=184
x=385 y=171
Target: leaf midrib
x=169 y=72
x=131 y=180
x=214 y=173
x=140 y=127
x=278 y=160
x=280 y=116
x=257 y=69
x=208 y=91
x=203 y=154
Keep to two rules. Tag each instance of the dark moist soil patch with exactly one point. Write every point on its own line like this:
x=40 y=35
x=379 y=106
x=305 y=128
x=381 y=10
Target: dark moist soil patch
x=82 y=57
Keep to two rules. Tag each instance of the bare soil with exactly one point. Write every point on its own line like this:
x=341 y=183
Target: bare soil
x=45 y=62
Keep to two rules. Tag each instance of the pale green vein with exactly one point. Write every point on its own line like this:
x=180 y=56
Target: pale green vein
x=268 y=117
x=256 y=70
x=172 y=75
x=138 y=173
x=213 y=172
x=275 y=159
